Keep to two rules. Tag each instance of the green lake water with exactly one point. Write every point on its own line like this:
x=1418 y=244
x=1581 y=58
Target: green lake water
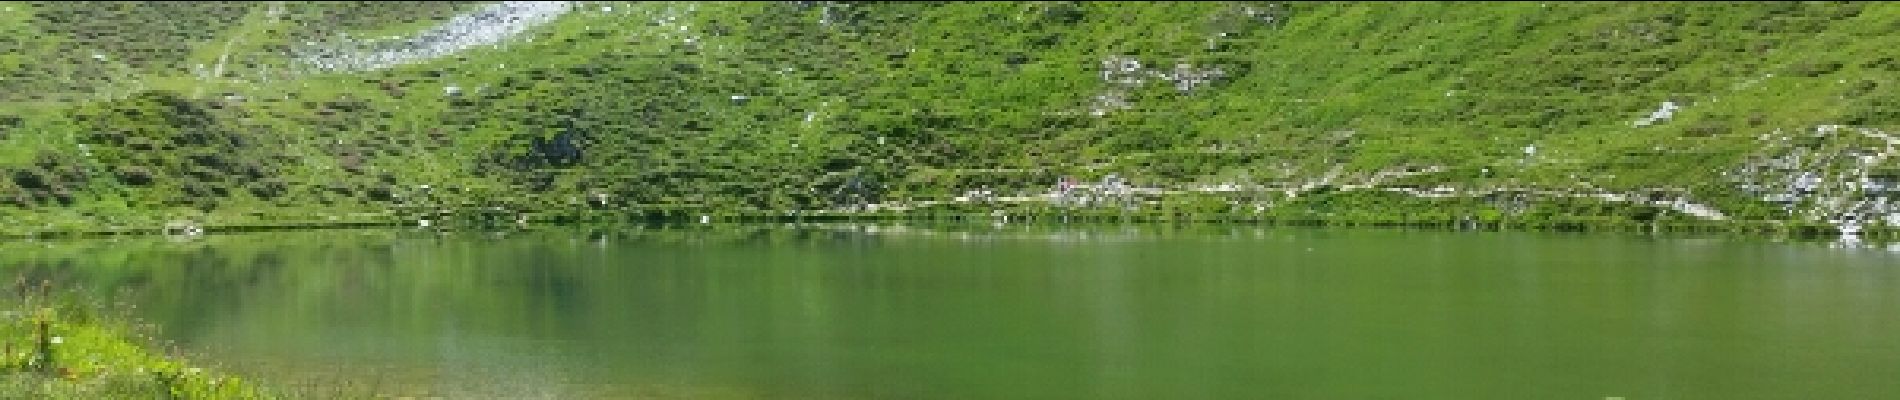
x=1013 y=312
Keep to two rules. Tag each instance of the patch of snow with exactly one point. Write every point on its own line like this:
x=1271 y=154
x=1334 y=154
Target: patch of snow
x=1663 y=112
x=1698 y=210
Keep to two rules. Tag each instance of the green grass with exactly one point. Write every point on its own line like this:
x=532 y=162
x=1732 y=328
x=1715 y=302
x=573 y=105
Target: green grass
x=60 y=344
x=1308 y=87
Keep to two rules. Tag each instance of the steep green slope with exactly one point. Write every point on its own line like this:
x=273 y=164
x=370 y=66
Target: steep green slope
x=1607 y=112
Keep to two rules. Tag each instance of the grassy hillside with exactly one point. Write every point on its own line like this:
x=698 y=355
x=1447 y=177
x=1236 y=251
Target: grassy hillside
x=131 y=114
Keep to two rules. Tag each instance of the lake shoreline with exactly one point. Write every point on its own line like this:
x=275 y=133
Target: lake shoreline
x=488 y=219
x=61 y=343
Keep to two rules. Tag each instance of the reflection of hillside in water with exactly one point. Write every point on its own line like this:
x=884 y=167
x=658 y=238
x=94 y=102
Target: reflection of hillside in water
x=838 y=310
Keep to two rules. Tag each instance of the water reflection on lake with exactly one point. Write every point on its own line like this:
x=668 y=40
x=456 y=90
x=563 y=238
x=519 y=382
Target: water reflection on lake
x=1016 y=311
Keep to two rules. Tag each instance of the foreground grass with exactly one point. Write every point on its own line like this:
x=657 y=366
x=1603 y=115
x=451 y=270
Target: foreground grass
x=68 y=346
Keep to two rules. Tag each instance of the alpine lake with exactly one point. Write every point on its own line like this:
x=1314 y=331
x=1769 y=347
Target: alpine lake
x=1012 y=311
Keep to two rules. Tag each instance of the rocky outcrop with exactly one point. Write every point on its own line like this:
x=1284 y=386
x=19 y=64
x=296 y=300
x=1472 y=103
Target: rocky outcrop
x=1832 y=173
x=487 y=26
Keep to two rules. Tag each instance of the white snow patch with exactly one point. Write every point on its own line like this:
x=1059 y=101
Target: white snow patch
x=1664 y=112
